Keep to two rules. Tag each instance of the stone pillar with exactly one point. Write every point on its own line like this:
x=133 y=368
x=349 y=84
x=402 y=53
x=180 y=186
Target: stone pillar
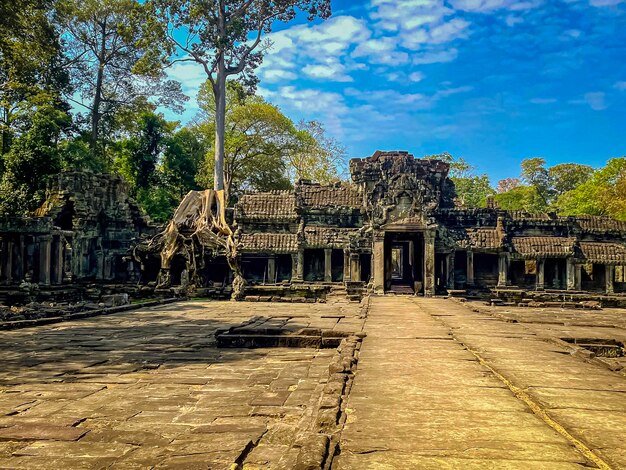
x=294 y=267
x=579 y=276
x=450 y=264
x=8 y=263
x=300 y=266
x=59 y=261
x=21 y=259
x=346 y=266
x=470 y=268
x=45 y=249
x=379 y=263
x=328 y=265
x=3 y=246
x=610 y=278
x=355 y=267
x=571 y=274
x=503 y=270
x=541 y=264
x=271 y=270
x=429 y=263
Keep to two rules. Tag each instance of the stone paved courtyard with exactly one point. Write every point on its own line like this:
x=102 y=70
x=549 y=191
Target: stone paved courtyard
x=149 y=388
x=438 y=384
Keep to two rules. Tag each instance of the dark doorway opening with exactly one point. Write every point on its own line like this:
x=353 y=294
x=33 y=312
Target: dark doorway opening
x=337 y=265
x=404 y=261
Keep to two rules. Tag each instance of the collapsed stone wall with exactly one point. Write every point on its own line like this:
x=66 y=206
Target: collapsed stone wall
x=81 y=233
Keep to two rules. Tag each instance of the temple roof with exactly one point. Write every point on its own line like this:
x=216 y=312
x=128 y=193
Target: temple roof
x=335 y=195
x=269 y=242
x=600 y=224
x=269 y=206
x=603 y=252
x=327 y=237
x=544 y=247
x=486 y=238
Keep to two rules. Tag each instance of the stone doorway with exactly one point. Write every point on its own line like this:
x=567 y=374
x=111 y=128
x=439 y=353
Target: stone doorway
x=404 y=261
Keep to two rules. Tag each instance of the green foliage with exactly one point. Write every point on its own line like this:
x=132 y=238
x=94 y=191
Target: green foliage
x=525 y=198
x=116 y=62
x=471 y=190
x=139 y=154
x=315 y=156
x=567 y=176
x=158 y=202
x=263 y=148
x=182 y=160
x=34 y=153
x=604 y=193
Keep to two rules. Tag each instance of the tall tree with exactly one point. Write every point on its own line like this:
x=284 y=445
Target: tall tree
x=604 y=193
x=30 y=62
x=225 y=38
x=257 y=140
x=182 y=161
x=115 y=58
x=535 y=174
x=567 y=176
x=315 y=155
x=472 y=190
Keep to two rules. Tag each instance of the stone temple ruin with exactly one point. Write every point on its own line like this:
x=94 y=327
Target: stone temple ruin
x=393 y=228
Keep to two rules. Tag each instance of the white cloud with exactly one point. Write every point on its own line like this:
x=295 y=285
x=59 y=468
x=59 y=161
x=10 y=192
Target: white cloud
x=512 y=20
x=543 y=100
x=434 y=56
x=416 y=77
x=333 y=71
x=605 y=3
x=485 y=6
x=621 y=86
x=596 y=100
x=278 y=75
x=318 y=50
x=190 y=75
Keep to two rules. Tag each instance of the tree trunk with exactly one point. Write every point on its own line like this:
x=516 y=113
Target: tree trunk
x=6 y=134
x=219 y=91
x=97 y=99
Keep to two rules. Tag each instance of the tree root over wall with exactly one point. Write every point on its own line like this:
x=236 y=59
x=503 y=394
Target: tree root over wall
x=198 y=228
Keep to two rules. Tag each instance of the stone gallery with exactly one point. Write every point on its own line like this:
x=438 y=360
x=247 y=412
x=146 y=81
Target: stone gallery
x=394 y=228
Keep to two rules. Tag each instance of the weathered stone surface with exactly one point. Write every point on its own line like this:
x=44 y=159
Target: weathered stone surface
x=150 y=389
x=40 y=431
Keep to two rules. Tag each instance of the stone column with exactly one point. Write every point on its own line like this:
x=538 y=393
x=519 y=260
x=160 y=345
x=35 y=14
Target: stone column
x=21 y=259
x=379 y=263
x=571 y=274
x=271 y=270
x=579 y=276
x=450 y=264
x=355 y=267
x=8 y=264
x=610 y=278
x=45 y=249
x=503 y=270
x=429 y=263
x=328 y=265
x=294 y=267
x=300 y=266
x=470 y=268
x=3 y=246
x=346 y=266
x=541 y=263
x=59 y=261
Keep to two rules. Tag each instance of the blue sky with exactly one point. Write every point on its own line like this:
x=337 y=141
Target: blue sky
x=492 y=81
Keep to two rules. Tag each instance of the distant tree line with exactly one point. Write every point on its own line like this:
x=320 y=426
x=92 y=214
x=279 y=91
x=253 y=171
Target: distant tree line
x=80 y=85
x=567 y=189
